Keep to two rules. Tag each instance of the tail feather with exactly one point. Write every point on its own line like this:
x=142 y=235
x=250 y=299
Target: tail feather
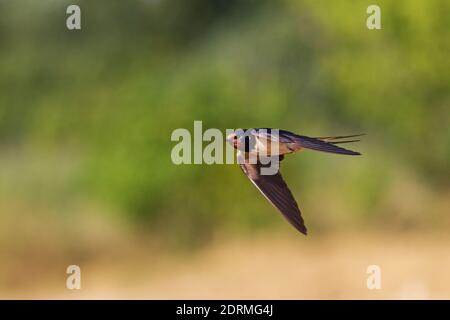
x=321 y=145
x=346 y=141
x=339 y=137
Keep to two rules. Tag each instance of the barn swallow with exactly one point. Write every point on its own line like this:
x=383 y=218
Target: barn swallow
x=259 y=141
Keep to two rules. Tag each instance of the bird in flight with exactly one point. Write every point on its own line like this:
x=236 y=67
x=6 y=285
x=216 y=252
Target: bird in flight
x=266 y=145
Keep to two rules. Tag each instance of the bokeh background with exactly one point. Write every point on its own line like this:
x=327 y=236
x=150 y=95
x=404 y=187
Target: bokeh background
x=86 y=176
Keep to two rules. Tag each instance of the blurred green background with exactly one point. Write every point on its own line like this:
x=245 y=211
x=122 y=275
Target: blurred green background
x=86 y=118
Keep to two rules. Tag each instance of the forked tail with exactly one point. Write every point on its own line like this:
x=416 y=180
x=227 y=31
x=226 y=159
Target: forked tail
x=328 y=144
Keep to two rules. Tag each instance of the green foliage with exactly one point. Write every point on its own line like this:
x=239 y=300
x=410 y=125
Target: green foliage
x=113 y=92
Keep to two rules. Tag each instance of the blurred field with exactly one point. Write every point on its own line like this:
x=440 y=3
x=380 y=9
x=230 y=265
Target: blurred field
x=267 y=266
x=86 y=176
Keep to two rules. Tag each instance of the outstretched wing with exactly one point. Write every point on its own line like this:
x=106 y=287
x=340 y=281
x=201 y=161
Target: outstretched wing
x=277 y=192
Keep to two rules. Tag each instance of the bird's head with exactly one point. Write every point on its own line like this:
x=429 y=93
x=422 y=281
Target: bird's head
x=233 y=139
x=242 y=139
